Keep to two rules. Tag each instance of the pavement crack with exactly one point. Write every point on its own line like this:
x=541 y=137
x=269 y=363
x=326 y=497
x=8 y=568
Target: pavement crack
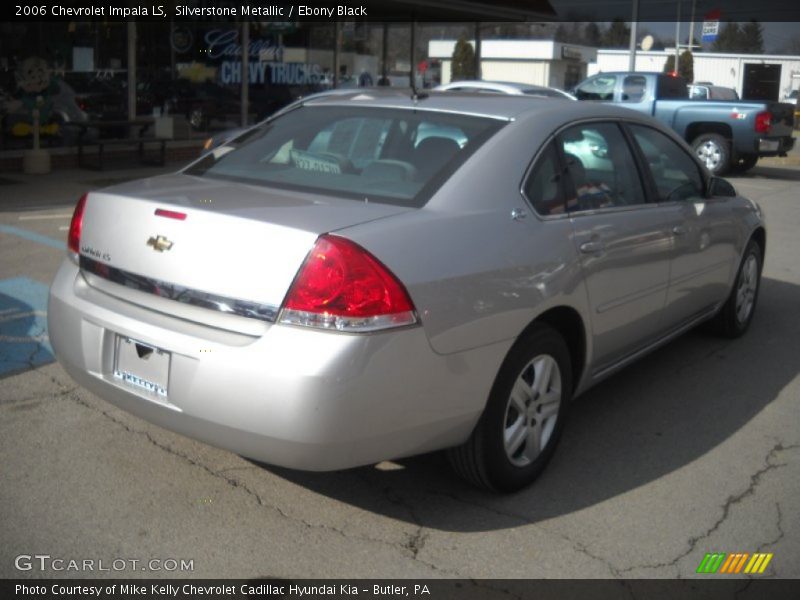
x=414 y=544
x=524 y=520
x=727 y=506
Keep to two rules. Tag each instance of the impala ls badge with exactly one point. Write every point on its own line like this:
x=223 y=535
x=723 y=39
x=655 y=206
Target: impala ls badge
x=159 y=243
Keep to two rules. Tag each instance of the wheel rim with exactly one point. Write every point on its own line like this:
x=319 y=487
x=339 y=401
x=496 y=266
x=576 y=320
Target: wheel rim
x=710 y=153
x=532 y=410
x=746 y=290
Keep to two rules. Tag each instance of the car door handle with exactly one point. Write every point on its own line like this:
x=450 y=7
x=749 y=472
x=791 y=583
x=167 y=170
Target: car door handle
x=679 y=230
x=592 y=247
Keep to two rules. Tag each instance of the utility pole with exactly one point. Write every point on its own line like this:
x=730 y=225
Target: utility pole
x=678 y=37
x=632 y=47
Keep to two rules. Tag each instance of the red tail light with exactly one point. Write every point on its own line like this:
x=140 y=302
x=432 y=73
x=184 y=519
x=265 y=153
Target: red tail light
x=342 y=286
x=74 y=237
x=763 y=122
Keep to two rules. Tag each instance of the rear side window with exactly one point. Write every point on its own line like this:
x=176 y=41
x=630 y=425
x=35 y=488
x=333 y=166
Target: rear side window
x=601 y=168
x=633 y=88
x=677 y=177
x=375 y=154
x=597 y=88
x=698 y=92
x=671 y=87
x=543 y=187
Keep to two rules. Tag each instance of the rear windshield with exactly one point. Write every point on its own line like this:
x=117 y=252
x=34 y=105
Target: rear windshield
x=376 y=154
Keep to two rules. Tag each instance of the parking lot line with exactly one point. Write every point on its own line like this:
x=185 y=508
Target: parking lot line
x=33 y=237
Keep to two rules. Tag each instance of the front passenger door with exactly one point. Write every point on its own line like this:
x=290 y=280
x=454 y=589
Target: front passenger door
x=704 y=237
x=623 y=240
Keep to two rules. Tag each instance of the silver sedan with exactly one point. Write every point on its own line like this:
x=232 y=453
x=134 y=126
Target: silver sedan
x=369 y=276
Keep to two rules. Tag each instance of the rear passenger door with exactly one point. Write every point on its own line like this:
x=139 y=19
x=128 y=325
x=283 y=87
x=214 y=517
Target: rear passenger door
x=623 y=240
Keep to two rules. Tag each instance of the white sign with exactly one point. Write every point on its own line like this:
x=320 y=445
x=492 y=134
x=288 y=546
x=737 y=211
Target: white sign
x=710 y=30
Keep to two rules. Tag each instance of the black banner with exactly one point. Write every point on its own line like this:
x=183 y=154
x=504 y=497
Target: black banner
x=386 y=10
x=435 y=589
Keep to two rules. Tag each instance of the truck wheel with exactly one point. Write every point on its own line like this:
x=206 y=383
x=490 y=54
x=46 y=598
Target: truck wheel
x=744 y=163
x=713 y=151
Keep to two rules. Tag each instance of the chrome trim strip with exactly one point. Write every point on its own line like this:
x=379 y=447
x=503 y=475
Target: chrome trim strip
x=185 y=295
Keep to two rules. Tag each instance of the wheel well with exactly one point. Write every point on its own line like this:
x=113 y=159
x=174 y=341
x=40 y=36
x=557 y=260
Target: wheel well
x=569 y=324
x=760 y=236
x=696 y=129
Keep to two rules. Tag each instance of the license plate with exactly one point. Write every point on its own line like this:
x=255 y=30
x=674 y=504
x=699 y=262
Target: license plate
x=768 y=145
x=142 y=366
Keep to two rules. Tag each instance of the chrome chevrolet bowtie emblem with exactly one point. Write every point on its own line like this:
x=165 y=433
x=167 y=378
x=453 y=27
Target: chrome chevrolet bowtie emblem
x=159 y=243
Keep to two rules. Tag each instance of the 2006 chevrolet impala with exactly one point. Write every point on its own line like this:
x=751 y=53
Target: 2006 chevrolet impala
x=374 y=275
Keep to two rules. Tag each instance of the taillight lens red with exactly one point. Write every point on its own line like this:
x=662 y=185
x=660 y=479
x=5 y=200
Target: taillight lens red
x=342 y=286
x=763 y=122
x=74 y=237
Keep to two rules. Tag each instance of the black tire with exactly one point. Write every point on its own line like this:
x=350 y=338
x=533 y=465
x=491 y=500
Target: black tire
x=483 y=459
x=714 y=152
x=729 y=321
x=744 y=163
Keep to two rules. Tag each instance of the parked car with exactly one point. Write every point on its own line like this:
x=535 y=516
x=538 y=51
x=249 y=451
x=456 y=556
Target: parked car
x=725 y=135
x=333 y=291
x=702 y=91
x=503 y=87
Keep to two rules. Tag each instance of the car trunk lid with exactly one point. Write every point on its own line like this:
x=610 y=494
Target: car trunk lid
x=200 y=242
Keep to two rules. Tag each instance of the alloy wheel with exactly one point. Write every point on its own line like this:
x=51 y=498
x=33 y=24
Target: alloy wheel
x=532 y=410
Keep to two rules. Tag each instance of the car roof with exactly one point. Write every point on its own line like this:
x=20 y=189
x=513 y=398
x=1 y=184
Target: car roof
x=497 y=106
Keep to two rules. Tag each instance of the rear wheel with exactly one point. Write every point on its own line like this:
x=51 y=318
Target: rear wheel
x=713 y=151
x=736 y=314
x=524 y=416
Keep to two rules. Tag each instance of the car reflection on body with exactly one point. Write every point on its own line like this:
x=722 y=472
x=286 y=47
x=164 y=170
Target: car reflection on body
x=331 y=290
x=504 y=87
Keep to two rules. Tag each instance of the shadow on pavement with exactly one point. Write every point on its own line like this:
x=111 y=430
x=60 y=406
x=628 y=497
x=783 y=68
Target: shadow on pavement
x=23 y=335
x=654 y=417
x=777 y=173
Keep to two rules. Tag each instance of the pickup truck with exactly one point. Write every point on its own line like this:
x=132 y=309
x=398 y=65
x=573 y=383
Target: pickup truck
x=725 y=135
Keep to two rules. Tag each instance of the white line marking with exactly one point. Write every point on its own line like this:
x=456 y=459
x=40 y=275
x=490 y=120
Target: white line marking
x=63 y=228
x=43 y=217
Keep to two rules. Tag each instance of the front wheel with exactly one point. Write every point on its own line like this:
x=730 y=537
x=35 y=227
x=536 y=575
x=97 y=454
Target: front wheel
x=524 y=416
x=713 y=150
x=736 y=314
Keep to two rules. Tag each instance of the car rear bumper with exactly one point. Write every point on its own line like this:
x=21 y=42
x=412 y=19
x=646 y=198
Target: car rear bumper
x=292 y=397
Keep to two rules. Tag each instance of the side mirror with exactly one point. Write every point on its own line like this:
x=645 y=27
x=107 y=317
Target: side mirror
x=719 y=187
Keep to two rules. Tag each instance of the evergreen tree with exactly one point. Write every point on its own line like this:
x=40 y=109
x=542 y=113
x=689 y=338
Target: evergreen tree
x=686 y=66
x=728 y=39
x=618 y=34
x=752 y=40
x=592 y=35
x=463 y=66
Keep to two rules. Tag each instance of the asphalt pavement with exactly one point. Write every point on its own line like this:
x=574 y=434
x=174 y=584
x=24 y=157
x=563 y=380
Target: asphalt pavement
x=694 y=449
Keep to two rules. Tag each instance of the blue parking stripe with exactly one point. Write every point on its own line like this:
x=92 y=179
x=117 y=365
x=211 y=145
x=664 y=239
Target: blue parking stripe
x=33 y=237
x=23 y=325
